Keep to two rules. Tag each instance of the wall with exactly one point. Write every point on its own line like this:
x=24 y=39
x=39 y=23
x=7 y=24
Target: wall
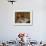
x=9 y=31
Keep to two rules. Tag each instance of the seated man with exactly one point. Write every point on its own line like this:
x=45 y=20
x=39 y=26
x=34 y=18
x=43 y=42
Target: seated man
x=22 y=19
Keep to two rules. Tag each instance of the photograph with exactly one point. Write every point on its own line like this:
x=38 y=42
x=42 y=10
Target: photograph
x=23 y=18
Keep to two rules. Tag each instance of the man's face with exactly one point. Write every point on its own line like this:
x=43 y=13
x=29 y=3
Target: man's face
x=18 y=16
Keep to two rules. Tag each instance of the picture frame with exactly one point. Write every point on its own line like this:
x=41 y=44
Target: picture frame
x=23 y=17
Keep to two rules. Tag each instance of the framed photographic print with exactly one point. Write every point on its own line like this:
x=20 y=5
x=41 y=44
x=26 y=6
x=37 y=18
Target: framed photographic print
x=23 y=17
